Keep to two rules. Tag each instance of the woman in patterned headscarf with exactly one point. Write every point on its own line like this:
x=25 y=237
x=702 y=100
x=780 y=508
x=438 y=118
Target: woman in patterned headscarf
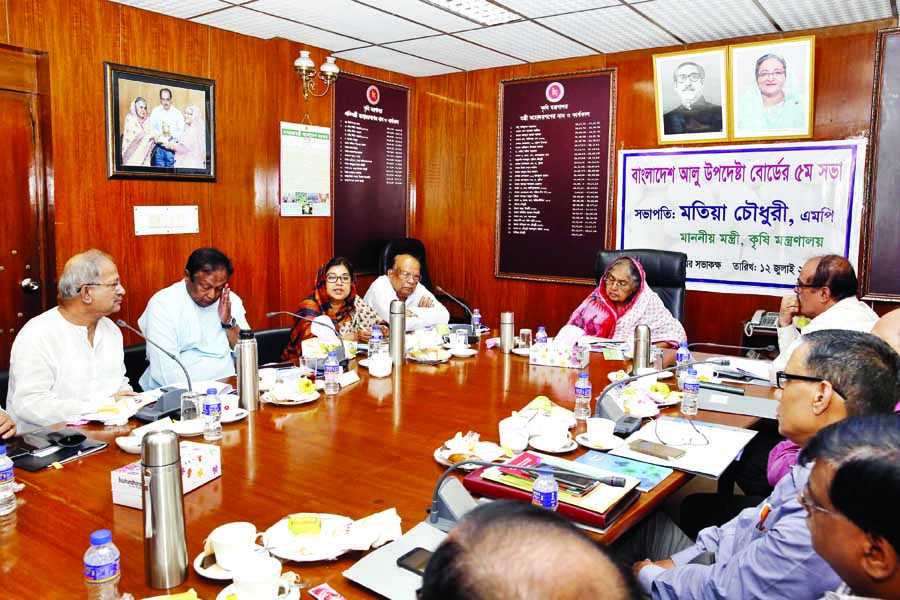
x=335 y=296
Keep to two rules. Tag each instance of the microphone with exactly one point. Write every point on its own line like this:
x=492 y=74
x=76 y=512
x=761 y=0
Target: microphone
x=613 y=410
x=169 y=403
x=448 y=506
x=769 y=348
x=339 y=351
x=469 y=329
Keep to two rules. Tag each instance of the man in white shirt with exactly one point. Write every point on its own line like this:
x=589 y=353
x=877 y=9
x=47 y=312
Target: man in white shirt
x=825 y=295
x=196 y=319
x=402 y=283
x=69 y=360
x=168 y=125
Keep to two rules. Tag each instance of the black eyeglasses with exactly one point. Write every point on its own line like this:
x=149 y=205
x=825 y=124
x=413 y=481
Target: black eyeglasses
x=810 y=505
x=800 y=285
x=332 y=278
x=781 y=378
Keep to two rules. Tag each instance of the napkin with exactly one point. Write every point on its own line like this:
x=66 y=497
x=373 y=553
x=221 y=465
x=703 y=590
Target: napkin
x=323 y=328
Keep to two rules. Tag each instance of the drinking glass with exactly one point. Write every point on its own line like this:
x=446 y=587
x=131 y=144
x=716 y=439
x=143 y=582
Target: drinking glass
x=525 y=338
x=190 y=406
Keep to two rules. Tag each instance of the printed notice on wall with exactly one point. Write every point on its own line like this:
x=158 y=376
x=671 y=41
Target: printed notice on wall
x=554 y=189
x=305 y=170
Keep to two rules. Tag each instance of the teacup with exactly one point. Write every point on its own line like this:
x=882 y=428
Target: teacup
x=514 y=434
x=554 y=434
x=258 y=577
x=599 y=430
x=232 y=542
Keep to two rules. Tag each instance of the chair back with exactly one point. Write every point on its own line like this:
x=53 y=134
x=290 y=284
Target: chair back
x=411 y=246
x=270 y=343
x=4 y=388
x=135 y=364
x=666 y=273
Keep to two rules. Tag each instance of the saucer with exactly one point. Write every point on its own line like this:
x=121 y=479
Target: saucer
x=235 y=415
x=213 y=572
x=129 y=443
x=231 y=592
x=522 y=351
x=363 y=362
x=463 y=352
x=610 y=443
x=538 y=443
x=190 y=428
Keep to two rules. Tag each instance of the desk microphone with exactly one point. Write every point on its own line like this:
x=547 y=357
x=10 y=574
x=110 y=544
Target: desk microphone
x=450 y=500
x=169 y=403
x=769 y=348
x=469 y=329
x=339 y=351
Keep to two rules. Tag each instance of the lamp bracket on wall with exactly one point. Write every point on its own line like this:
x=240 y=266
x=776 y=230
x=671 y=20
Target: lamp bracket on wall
x=306 y=69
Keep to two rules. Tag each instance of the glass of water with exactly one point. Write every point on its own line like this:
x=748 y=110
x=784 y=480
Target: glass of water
x=190 y=406
x=525 y=338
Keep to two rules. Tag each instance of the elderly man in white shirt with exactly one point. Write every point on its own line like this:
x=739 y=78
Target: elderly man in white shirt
x=402 y=283
x=69 y=360
x=826 y=295
x=196 y=319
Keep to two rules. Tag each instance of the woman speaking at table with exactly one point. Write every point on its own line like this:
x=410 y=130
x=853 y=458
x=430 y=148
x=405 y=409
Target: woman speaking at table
x=335 y=296
x=622 y=301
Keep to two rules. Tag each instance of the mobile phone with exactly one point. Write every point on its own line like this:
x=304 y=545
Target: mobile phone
x=415 y=560
x=657 y=450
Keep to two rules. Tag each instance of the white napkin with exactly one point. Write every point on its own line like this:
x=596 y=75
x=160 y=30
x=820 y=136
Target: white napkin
x=323 y=328
x=567 y=337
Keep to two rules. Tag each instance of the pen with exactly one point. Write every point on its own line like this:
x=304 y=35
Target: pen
x=766 y=509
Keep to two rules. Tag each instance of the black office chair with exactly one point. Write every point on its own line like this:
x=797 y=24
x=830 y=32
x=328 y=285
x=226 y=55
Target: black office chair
x=4 y=388
x=270 y=343
x=135 y=364
x=666 y=274
x=416 y=249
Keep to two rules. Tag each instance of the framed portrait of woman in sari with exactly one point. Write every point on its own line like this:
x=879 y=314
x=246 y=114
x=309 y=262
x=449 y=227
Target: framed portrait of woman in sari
x=159 y=125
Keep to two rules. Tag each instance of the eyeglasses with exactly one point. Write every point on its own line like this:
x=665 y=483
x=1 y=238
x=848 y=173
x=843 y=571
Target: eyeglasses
x=612 y=281
x=781 y=378
x=332 y=278
x=688 y=77
x=109 y=285
x=800 y=285
x=806 y=501
x=407 y=276
x=767 y=74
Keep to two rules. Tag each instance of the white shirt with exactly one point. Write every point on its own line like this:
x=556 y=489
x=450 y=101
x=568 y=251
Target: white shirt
x=172 y=117
x=381 y=293
x=849 y=314
x=55 y=372
x=192 y=333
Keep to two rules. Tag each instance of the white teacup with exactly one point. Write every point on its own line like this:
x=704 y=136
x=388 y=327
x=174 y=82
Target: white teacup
x=267 y=379
x=232 y=542
x=258 y=577
x=554 y=434
x=599 y=430
x=514 y=434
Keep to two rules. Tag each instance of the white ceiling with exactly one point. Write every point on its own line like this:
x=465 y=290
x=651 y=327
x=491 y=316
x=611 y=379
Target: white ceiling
x=420 y=39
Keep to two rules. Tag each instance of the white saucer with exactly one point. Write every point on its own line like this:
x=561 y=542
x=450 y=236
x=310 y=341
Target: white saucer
x=236 y=415
x=536 y=443
x=610 y=443
x=665 y=375
x=294 y=594
x=213 y=572
x=463 y=352
x=190 y=428
x=129 y=443
x=522 y=351
x=363 y=362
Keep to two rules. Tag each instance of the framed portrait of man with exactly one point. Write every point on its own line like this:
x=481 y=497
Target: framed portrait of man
x=691 y=96
x=159 y=125
x=772 y=89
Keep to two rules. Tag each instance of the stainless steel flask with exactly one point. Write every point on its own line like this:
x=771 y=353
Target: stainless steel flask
x=165 y=546
x=247 y=369
x=507 y=332
x=398 y=332
x=641 y=350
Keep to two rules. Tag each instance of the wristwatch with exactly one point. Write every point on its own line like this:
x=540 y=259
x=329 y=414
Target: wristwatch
x=230 y=324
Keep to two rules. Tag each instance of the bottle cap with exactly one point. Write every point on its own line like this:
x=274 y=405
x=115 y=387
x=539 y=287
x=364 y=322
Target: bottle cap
x=100 y=537
x=583 y=375
x=160 y=449
x=211 y=392
x=692 y=371
x=682 y=345
x=332 y=354
x=3 y=450
x=545 y=471
x=245 y=334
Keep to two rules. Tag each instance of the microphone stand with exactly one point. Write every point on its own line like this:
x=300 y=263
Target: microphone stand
x=738 y=373
x=469 y=329
x=339 y=352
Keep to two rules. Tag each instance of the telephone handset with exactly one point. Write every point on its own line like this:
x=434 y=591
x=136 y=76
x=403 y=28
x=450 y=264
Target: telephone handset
x=761 y=320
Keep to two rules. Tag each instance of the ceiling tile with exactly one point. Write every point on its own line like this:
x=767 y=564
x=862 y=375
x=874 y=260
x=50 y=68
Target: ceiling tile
x=722 y=19
x=527 y=41
x=181 y=10
x=613 y=29
x=810 y=14
x=424 y=13
x=543 y=8
x=383 y=58
x=456 y=52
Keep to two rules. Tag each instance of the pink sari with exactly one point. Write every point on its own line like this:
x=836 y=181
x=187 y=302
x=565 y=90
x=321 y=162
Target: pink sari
x=598 y=316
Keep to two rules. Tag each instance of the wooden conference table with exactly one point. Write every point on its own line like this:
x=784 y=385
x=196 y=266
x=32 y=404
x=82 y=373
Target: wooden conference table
x=367 y=449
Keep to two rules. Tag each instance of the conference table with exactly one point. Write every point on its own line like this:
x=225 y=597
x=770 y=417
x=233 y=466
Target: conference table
x=364 y=450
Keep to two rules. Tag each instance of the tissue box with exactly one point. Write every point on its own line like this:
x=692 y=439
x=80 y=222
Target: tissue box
x=315 y=348
x=200 y=463
x=551 y=356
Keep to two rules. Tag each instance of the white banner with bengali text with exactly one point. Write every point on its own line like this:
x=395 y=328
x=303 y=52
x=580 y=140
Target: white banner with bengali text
x=747 y=216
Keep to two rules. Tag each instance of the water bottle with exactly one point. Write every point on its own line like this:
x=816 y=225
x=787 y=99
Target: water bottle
x=545 y=491
x=682 y=357
x=582 y=401
x=541 y=336
x=101 y=567
x=691 y=389
x=7 y=481
x=376 y=342
x=212 y=415
x=332 y=374
x=476 y=322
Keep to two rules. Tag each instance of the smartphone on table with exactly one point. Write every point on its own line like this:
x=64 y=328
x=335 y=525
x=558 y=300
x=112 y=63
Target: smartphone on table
x=415 y=560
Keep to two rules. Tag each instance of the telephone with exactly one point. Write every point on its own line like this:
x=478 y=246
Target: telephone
x=761 y=320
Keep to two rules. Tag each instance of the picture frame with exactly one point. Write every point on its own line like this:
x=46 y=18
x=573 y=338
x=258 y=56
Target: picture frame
x=159 y=125
x=691 y=92
x=772 y=89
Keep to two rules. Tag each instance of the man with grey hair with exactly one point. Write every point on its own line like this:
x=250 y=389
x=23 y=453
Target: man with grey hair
x=694 y=114
x=69 y=360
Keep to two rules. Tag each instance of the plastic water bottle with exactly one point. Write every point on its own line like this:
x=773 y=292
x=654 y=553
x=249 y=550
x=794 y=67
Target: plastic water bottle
x=691 y=389
x=545 y=491
x=7 y=481
x=682 y=357
x=332 y=374
x=376 y=342
x=582 y=401
x=101 y=567
x=212 y=415
x=541 y=336
x=476 y=322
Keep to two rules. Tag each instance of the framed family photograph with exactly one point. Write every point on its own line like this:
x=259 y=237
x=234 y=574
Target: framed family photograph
x=691 y=96
x=159 y=125
x=772 y=89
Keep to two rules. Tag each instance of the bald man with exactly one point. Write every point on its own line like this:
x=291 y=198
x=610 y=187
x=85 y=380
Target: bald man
x=511 y=550
x=888 y=329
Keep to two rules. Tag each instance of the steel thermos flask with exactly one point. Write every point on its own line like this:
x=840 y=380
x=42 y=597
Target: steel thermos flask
x=247 y=369
x=398 y=332
x=507 y=332
x=641 y=350
x=165 y=547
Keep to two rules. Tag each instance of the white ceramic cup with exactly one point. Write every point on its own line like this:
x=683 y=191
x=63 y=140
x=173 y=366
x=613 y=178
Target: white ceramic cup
x=554 y=434
x=258 y=577
x=232 y=541
x=514 y=434
x=599 y=430
x=267 y=379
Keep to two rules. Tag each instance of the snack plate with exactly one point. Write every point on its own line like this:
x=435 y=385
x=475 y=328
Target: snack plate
x=610 y=443
x=442 y=456
x=298 y=400
x=231 y=592
x=280 y=542
x=538 y=443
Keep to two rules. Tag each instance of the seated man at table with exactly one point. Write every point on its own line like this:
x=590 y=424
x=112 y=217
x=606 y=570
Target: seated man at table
x=69 y=360
x=196 y=319
x=766 y=551
x=851 y=504
x=402 y=283
x=513 y=549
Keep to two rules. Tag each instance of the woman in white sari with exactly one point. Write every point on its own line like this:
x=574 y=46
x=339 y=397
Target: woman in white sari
x=138 y=141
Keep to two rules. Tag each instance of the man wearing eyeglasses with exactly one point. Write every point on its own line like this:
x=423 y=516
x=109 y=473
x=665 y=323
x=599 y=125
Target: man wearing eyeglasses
x=694 y=114
x=825 y=296
x=402 y=283
x=197 y=319
x=766 y=551
x=69 y=360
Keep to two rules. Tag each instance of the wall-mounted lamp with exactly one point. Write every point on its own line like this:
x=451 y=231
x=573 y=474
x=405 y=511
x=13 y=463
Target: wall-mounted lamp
x=306 y=69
